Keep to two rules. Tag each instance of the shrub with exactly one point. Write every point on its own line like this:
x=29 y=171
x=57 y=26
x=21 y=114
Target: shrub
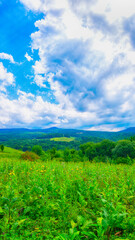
x=37 y=149
x=31 y=156
x=2 y=147
x=102 y=159
x=125 y=160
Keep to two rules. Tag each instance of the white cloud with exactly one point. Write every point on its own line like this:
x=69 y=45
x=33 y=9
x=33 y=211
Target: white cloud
x=85 y=42
x=29 y=58
x=7 y=57
x=32 y=5
x=6 y=78
x=28 y=109
x=106 y=128
x=39 y=80
x=114 y=10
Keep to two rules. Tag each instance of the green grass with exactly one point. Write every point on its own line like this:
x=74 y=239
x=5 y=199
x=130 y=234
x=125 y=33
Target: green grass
x=53 y=200
x=62 y=139
x=10 y=153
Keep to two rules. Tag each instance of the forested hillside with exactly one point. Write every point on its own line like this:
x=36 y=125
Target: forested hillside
x=25 y=139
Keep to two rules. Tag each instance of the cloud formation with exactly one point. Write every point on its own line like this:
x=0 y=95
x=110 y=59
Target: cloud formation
x=6 y=78
x=29 y=58
x=86 y=63
x=7 y=57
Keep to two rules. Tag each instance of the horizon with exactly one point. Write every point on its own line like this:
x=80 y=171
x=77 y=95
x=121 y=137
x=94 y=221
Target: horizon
x=77 y=129
x=67 y=64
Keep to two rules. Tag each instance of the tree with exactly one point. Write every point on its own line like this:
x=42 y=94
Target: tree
x=2 y=147
x=91 y=151
x=53 y=152
x=105 y=147
x=37 y=149
x=67 y=155
x=124 y=148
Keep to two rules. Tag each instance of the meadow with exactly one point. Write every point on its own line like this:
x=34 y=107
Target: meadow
x=65 y=200
x=62 y=139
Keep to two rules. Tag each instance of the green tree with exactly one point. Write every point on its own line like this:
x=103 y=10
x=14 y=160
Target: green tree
x=124 y=148
x=52 y=152
x=91 y=151
x=105 y=147
x=2 y=147
x=37 y=149
x=67 y=155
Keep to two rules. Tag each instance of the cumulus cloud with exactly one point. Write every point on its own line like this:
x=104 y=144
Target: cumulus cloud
x=29 y=58
x=6 y=78
x=28 y=109
x=106 y=128
x=86 y=59
x=7 y=57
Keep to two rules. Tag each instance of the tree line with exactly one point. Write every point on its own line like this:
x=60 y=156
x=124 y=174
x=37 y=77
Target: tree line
x=122 y=151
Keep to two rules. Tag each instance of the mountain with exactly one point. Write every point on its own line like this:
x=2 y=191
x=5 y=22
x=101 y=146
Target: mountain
x=129 y=130
x=25 y=139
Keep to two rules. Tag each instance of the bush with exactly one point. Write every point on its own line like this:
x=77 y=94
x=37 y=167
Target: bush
x=37 y=149
x=103 y=159
x=2 y=147
x=125 y=160
x=31 y=156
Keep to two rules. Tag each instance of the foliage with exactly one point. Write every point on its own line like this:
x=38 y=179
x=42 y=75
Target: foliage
x=90 y=151
x=123 y=149
x=37 y=149
x=67 y=155
x=105 y=147
x=2 y=147
x=52 y=152
x=31 y=156
x=125 y=160
x=25 y=139
x=75 y=201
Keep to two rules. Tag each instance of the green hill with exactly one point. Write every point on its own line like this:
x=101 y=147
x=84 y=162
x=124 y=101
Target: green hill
x=10 y=153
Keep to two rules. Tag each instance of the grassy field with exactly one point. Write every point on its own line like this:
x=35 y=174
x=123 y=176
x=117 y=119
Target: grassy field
x=63 y=139
x=65 y=201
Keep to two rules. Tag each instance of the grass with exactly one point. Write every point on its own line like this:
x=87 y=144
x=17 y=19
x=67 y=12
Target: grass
x=57 y=200
x=62 y=139
x=10 y=153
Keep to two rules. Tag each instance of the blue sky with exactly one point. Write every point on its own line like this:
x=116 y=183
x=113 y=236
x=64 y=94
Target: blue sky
x=69 y=64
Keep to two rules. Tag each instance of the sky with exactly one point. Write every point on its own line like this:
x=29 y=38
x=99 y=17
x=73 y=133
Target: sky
x=67 y=64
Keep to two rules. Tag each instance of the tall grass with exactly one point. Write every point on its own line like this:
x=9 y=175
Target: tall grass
x=56 y=200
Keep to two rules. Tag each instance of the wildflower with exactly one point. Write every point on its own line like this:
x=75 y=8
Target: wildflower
x=99 y=220
x=11 y=173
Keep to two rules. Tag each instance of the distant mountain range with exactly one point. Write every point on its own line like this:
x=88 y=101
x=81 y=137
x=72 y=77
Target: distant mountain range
x=55 y=129
x=129 y=130
x=24 y=139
